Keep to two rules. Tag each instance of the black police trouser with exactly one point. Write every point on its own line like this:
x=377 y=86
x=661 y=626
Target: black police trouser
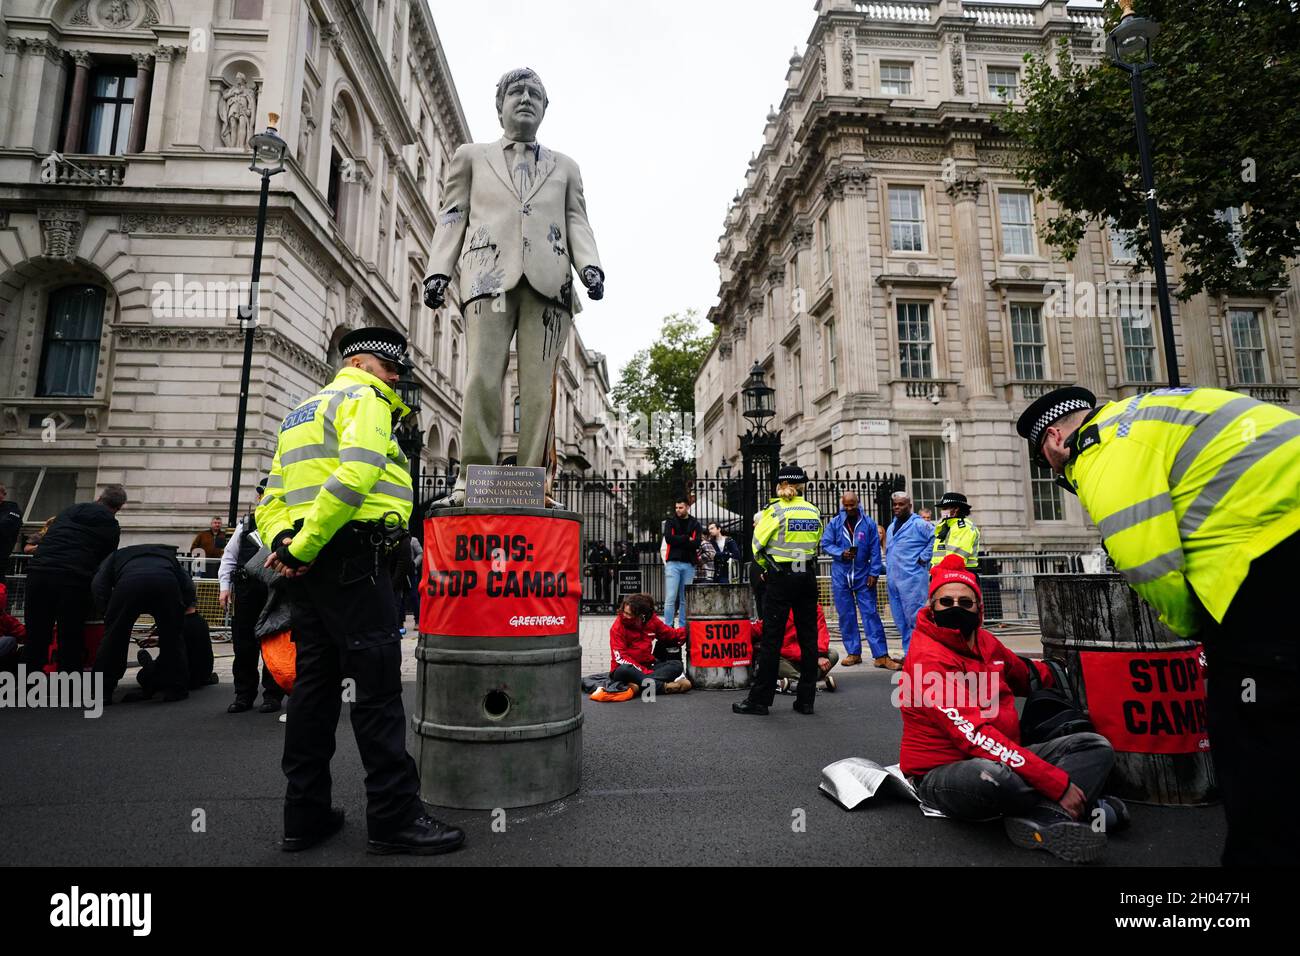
x=346 y=628
x=54 y=598
x=250 y=598
x=160 y=597
x=1252 y=698
x=758 y=586
x=197 y=666
x=787 y=591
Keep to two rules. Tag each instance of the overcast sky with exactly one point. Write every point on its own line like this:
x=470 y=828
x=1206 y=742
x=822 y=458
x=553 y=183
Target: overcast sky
x=661 y=105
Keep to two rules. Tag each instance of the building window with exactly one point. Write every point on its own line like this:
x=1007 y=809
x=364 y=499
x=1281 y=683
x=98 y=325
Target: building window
x=1004 y=81
x=827 y=460
x=335 y=193
x=516 y=415
x=915 y=342
x=797 y=357
x=437 y=340
x=832 y=356
x=1027 y=343
x=1017 y=217
x=1046 y=494
x=896 y=79
x=1139 y=346
x=246 y=9
x=70 y=353
x=1248 y=352
x=43 y=491
x=826 y=246
x=906 y=219
x=112 y=102
x=313 y=34
x=929 y=472
x=1122 y=246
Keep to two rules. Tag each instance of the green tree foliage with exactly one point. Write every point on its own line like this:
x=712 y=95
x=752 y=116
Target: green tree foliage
x=657 y=386
x=1223 y=110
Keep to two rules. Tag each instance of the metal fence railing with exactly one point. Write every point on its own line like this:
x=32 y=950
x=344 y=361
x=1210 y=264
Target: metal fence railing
x=207 y=592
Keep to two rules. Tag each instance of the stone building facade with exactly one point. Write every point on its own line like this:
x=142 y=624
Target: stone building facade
x=882 y=265
x=127 y=223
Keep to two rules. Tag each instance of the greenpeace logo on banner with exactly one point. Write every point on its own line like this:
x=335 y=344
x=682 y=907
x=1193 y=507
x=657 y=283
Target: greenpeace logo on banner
x=997 y=750
x=544 y=620
x=74 y=909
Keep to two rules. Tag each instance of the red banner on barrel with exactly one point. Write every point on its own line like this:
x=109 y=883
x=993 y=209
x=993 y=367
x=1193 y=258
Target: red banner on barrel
x=720 y=643
x=501 y=576
x=1151 y=702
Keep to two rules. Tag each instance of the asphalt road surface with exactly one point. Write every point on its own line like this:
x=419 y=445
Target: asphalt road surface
x=679 y=781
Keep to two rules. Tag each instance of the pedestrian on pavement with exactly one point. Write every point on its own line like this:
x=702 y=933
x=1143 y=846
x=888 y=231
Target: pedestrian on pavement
x=909 y=542
x=722 y=552
x=212 y=542
x=956 y=533
x=338 y=499
x=851 y=540
x=11 y=523
x=785 y=548
x=634 y=638
x=1196 y=492
x=927 y=515
x=963 y=753
x=683 y=535
x=249 y=593
x=59 y=575
x=143 y=579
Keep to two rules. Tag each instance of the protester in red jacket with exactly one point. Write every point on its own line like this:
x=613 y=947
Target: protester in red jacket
x=961 y=734
x=638 y=640
x=788 y=667
x=12 y=633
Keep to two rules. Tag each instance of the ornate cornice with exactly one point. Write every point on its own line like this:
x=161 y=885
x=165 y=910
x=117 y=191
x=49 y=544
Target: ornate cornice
x=241 y=226
x=155 y=338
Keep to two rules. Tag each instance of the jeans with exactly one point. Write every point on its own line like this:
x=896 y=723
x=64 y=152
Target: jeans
x=981 y=789
x=677 y=574
x=664 y=672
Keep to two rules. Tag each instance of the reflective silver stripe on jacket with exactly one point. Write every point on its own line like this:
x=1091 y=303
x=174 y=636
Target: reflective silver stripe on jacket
x=1135 y=514
x=1209 y=428
x=1218 y=487
x=1155 y=568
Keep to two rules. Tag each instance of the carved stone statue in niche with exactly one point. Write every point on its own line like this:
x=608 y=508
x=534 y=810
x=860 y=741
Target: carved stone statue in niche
x=117 y=13
x=235 y=111
x=305 y=131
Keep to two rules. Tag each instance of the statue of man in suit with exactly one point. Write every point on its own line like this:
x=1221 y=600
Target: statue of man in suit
x=513 y=223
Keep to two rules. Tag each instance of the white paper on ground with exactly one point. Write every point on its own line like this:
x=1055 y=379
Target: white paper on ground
x=854 y=780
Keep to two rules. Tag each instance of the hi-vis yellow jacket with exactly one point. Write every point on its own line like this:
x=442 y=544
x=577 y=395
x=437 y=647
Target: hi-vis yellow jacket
x=1188 y=486
x=957 y=536
x=787 y=532
x=336 y=461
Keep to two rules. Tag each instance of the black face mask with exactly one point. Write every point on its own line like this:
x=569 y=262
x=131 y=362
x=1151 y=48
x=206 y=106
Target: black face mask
x=957 y=619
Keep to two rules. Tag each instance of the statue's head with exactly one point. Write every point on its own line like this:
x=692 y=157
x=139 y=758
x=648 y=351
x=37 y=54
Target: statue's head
x=521 y=104
x=239 y=78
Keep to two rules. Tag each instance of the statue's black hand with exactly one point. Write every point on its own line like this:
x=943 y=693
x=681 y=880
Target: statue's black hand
x=435 y=291
x=594 y=280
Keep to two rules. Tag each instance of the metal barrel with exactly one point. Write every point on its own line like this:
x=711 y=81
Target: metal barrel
x=1099 y=627
x=498 y=719
x=710 y=608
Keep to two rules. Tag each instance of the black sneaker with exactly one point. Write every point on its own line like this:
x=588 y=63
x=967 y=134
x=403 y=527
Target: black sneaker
x=1116 y=813
x=749 y=707
x=424 y=836
x=332 y=825
x=240 y=705
x=1046 y=829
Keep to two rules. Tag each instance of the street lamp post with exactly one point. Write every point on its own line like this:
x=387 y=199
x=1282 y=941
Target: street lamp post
x=268 y=159
x=1129 y=46
x=760 y=449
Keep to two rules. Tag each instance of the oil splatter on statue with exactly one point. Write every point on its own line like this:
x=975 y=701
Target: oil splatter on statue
x=512 y=229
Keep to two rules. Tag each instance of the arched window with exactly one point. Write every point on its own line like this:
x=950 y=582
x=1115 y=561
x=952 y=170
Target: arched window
x=413 y=319
x=455 y=361
x=437 y=340
x=74 y=321
x=516 y=413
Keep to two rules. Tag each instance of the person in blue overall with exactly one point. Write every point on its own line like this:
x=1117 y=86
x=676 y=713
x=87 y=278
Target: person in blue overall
x=909 y=542
x=854 y=546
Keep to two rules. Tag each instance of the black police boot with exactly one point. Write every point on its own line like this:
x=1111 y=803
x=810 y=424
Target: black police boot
x=802 y=708
x=270 y=705
x=240 y=705
x=423 y=836
x=747 y=706
x=303 y=841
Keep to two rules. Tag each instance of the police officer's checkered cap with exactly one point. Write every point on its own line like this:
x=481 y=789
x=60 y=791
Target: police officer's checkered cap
x=384 y=343
x=792 y=474
x=387 y=350
x=1055 y=414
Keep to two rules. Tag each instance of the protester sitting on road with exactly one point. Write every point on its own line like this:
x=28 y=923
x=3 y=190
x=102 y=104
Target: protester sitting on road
x=144 y=579
x=195 y=670
x=12 y=633
x=787 y=674
x=963 y=752
x=632 y=642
